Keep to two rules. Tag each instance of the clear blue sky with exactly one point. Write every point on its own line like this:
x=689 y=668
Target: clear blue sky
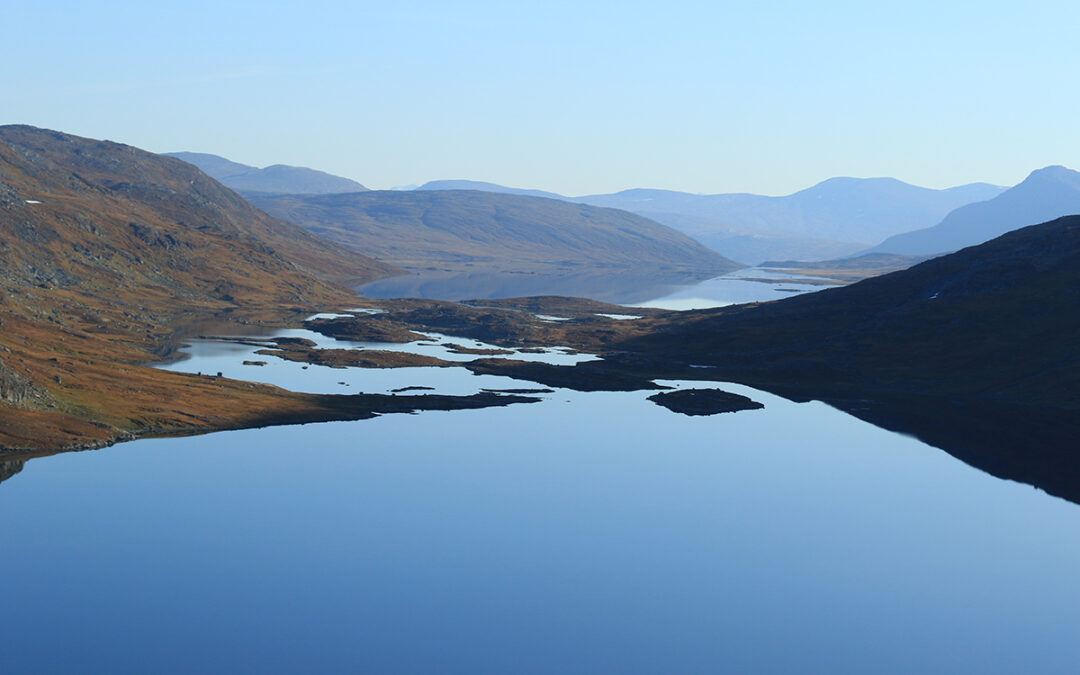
x=578 y=97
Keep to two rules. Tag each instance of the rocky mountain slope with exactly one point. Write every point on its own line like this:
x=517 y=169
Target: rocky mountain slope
x=108 y=255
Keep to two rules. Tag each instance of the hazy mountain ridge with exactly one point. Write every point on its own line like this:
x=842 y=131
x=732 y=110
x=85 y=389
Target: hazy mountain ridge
x=1045 y=194
x=278 y=178
x=842 y=209
x=484 y=186
x=493 y=230
x=836 y=217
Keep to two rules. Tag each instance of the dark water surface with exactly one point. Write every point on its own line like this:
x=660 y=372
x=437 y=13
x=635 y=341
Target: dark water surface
x=585 y=533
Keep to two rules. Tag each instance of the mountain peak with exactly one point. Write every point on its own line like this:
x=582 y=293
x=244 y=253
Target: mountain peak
x=1054 y=172
x=276 y=178
x=1046 y=194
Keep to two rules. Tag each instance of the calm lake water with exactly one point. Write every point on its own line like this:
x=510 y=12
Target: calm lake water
x=588 y=532
x=669 y=290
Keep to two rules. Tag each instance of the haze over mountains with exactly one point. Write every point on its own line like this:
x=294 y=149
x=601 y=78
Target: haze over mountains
x=278 y=178
x=469 y=228
x=1045 y=194
x=834 y=218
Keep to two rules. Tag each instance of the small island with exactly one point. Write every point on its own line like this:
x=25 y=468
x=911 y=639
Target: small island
x=704 y=401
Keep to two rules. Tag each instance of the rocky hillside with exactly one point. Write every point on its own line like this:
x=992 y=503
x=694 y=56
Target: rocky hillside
x=492 y=231
x=52 y=180
x=104 y=251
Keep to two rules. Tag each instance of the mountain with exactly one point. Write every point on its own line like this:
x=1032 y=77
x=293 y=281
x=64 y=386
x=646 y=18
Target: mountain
x=467 y=228
x=973 y=352
x=842 y=209
x=1045 y=194
x=999 y=321
x=834 y=218
x=137 y=198
x=753 y=245
x=485 y=187
x=107 y=252
x=278 y=178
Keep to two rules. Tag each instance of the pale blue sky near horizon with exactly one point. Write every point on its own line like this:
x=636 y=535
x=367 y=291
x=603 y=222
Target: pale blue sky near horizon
x=577 y=98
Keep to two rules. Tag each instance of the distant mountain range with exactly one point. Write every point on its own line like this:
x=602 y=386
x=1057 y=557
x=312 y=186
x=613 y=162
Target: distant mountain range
x=1045 y=194
x=278 y=178
x=486 y=187
x=837 y=217
x=460 y=229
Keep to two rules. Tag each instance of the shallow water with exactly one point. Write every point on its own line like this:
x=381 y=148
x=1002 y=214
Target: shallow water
x=589 y=532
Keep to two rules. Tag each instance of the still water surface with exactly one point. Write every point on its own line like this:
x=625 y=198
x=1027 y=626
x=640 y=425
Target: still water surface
x=668 y=291
x=589 y=532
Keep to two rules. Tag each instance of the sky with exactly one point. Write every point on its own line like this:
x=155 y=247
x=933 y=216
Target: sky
x=574 y=97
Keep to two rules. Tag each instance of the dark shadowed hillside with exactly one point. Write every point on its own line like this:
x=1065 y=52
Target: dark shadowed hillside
x=1000 y=321
x=974 y=352
x=279 y=178
x=1045 y=194
x=494 y=231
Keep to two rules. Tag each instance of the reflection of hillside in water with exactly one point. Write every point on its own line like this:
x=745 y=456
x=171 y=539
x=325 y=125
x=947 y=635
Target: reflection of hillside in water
x=9 y=469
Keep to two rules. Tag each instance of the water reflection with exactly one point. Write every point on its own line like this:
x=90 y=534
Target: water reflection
x=615 y=286
x=586 y=533
x=667 y=290
x=9 y=468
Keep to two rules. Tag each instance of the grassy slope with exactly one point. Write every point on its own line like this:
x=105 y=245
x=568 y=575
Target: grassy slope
x=499 y=231
x=93 y=280
x=162 y=192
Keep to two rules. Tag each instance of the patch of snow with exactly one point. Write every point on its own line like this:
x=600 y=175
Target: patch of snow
x=619 y=317
x=546 y=317
x=32 y=201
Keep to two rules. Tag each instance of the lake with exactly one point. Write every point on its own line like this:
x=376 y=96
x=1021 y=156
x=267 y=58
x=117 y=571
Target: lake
x=670 y=290
x=587 y=532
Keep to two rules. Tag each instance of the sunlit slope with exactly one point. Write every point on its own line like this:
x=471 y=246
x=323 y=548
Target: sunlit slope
x=497 y=231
